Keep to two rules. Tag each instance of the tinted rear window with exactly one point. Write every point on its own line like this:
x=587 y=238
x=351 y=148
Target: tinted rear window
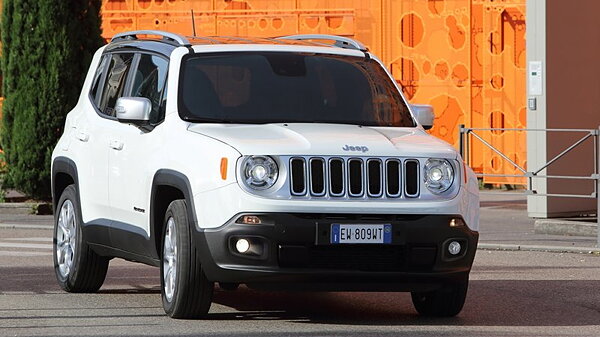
x=289 y=87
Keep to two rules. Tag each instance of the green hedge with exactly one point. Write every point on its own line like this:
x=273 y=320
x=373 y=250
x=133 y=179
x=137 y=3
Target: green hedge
x=47 y=48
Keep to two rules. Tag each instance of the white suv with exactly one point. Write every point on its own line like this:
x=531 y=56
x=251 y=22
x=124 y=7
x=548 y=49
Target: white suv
x=289 y=163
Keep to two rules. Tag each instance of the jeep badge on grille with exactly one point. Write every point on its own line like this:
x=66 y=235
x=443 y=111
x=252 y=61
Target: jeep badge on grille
x=362 y=149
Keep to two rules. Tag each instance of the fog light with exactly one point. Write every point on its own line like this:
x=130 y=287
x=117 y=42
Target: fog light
x=249 y=220
x=453 y=248
x=242 y=246
x=456 y=222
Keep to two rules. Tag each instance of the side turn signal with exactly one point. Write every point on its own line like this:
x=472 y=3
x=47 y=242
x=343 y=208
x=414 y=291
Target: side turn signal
x=224 y=168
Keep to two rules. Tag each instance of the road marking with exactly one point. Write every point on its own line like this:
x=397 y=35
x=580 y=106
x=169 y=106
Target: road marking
x=18 y=293
x=25 y=245
x=19 y=253
x=14 y=226
x=48 y=239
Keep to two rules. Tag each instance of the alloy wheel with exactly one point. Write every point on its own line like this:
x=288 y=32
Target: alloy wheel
x=170 y=259
x=66 y=238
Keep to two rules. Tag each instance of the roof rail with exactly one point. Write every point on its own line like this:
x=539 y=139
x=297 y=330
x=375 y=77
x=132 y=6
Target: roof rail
x=340 y=41
x=172 y=37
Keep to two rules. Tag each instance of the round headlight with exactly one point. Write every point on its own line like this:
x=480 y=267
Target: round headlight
x=260 y=172
x=439 y=175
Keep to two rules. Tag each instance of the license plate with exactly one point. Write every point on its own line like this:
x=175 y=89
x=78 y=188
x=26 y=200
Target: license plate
x=356 y=233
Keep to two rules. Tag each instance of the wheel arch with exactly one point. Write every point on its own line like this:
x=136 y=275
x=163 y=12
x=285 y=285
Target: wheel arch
x=167 y=186
x=64 y=173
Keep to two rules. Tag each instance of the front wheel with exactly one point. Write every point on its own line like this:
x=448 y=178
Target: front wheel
x=186 y=292
x=445 y=302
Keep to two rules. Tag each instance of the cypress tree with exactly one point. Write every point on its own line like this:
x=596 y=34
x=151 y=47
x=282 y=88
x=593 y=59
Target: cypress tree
x=47 y=47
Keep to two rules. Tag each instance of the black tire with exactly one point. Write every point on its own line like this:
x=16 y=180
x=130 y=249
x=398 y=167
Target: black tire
x=445 y=302
x=191 y=295
x=87 y=269
x=229 y=286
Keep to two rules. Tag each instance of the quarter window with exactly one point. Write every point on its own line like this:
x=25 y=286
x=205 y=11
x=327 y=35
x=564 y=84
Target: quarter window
x=98 y=77
x=115 y=82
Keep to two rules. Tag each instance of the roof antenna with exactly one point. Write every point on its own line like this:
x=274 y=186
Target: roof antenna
x=193 y=24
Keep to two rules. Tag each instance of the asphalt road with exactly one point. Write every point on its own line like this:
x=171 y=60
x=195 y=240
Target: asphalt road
x=511 y=294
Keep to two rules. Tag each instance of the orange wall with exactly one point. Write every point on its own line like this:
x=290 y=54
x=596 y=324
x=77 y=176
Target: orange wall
x=465 y=57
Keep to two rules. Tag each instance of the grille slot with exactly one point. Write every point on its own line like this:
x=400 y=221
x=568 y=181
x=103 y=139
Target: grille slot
x=317 y=176
x=411 y=178
x=355 y=177
x=393 y=178
x=374 y=176
x=298 y=176
x=336 y=177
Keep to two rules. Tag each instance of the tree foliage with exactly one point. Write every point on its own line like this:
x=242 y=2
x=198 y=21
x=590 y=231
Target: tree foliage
x=47 y=46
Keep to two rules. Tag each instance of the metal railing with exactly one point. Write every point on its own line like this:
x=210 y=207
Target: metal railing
x=530 y=175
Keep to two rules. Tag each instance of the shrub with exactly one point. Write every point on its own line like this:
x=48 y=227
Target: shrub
x=47 y=48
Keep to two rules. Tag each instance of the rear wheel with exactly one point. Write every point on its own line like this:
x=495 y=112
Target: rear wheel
x=445 y=302
x=186 y=292
x=77 y=267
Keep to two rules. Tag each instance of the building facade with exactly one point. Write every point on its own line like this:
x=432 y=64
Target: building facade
x=465 y=57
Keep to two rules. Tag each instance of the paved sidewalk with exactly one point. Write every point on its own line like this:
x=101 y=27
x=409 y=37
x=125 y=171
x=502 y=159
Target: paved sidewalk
x=504 y=225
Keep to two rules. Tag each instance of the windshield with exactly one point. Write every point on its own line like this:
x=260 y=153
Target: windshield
x=270 y=87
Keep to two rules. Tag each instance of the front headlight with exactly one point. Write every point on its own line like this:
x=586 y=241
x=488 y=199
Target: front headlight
x=439 y=175
x=260 y=172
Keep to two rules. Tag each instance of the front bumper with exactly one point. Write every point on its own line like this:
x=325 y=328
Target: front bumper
x=292 y=251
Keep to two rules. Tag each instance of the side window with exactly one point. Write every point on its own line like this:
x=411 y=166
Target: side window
x=116 y=79
x=149 y=81
x=98 y=79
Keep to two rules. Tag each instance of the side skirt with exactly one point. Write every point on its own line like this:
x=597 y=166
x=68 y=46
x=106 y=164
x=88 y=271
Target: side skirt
x=115 y=252
x=110 y=241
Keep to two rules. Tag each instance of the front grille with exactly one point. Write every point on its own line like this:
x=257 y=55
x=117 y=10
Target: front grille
x=354 y=177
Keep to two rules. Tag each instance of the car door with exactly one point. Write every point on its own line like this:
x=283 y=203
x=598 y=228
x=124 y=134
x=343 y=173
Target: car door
x=91 y=145
x=130 y=167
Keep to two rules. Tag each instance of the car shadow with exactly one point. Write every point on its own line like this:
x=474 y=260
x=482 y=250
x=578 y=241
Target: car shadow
x=489 y=303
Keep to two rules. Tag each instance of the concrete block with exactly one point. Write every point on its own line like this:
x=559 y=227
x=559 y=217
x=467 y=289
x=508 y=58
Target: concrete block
x=565 y=227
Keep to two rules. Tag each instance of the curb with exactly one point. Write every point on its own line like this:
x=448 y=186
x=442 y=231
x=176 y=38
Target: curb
x=567 y=227
x=536 y=248
x=26 y=208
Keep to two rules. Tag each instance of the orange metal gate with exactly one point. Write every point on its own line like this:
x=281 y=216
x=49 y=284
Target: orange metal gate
x=464 y=57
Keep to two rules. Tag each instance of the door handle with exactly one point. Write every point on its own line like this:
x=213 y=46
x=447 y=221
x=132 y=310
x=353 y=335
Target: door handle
x=117 y=145
x=82 y=136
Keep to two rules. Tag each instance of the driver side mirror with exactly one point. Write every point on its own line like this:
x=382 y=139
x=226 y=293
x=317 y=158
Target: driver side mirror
x=133 y=110
x=424 y=115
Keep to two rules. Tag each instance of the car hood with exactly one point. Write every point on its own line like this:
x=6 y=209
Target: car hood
x=326 y=139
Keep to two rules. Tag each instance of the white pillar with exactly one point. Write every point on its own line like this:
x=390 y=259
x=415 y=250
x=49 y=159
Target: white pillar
x=536 y=90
